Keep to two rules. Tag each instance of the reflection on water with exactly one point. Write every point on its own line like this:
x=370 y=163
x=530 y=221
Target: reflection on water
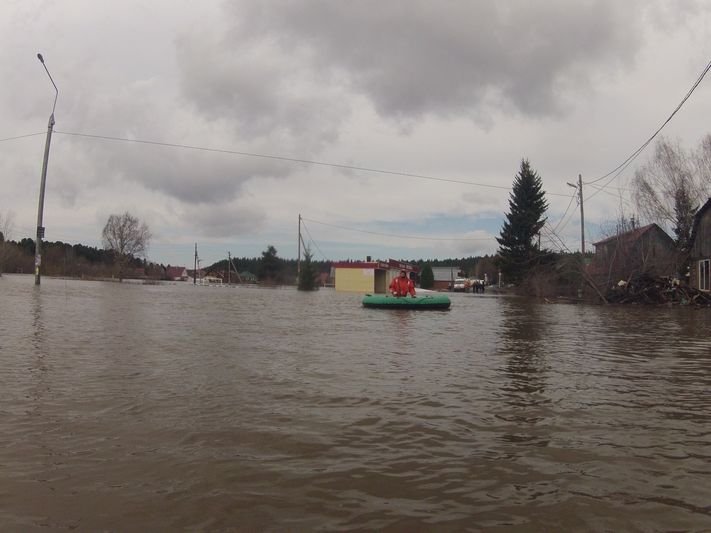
x=522 y=348
x=127 y=407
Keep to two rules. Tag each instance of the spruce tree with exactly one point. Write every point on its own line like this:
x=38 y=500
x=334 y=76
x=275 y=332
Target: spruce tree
x=307 y=275
x=427 y=277
x=684 y=212
x=518 y=251
x=270 y=265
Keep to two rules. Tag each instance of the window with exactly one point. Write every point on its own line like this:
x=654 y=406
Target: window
x=704 y=282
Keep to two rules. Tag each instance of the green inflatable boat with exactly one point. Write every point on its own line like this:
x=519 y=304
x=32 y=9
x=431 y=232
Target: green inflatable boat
x=381 y=301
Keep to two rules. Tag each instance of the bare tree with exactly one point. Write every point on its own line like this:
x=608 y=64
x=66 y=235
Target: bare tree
x=126 y=237
x=6 y=227
x=669 y=188
x=702 y=165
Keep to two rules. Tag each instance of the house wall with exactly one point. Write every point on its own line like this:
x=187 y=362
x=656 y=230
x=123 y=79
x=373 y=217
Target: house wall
x=701 y=247
x=653 y=253
x=442 y=285
x=661 y=255
x=355 y=279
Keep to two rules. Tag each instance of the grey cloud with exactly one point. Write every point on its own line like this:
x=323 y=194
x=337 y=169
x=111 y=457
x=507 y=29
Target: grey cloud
x=414 y=58
x=260 y=89
x=225 y=220
x=189 y=175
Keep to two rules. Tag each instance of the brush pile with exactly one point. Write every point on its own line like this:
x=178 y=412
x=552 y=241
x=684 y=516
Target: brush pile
x=648 y=290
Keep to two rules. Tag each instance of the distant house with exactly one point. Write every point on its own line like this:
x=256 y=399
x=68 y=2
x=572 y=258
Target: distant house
x=175 y=273
x=444 y=277
x=700 y=250
x=369 y=276
x=248 y=277
x=646 y=250
x=200 y=273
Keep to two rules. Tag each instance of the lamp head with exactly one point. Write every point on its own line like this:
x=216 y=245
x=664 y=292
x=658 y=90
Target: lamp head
x=39 y=56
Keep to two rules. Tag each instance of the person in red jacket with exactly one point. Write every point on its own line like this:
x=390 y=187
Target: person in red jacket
x=402 y=285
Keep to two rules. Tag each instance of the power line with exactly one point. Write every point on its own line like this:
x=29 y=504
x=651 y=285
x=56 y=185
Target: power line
x=293 y=160
x=398 y=236
x=639 y=150
x=314 y=242
x=22 y=136
x=602 y=189
x=572 y=197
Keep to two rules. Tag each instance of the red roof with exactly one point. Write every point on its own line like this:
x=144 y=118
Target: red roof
x=631 y=235
x=176 y=272
x=391 y=264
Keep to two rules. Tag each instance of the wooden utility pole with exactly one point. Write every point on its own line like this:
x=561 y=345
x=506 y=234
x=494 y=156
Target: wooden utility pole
x=239 y=278
x=298 y=257
x=579 y=188
x=582 y=216
x=195 y=268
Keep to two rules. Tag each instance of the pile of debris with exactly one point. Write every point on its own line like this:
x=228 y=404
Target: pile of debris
x=645 y=289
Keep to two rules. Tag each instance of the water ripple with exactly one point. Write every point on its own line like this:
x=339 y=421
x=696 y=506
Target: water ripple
x=179 y=407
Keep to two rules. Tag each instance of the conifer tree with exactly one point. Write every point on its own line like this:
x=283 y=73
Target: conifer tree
x=518 y=250
x=684 y=212
x=307 y=275
x=270 y=265
x=427 y=277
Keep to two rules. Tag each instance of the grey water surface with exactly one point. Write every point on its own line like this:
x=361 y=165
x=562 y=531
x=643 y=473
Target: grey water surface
x=127 y=407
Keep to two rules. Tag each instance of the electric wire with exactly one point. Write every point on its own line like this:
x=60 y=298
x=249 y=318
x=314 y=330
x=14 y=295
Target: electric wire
x=398 y=236
x=616 y=196
x=314 y=242
x=292 y=160
x=639 y=150
x=572 y=197
x=22 y=136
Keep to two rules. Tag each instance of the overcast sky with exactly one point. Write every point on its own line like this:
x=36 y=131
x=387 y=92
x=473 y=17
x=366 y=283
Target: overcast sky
x=458 y=91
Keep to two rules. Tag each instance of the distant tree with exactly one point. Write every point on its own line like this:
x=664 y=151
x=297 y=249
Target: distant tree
x=270 y=265
x=518 y=251
x=307 y=274
x=126 y=237
x=684 y=211
x=669 y=188
x=6 y=227
x=427 y=277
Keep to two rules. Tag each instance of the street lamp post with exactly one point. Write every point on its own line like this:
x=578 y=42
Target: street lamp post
x=40 y=208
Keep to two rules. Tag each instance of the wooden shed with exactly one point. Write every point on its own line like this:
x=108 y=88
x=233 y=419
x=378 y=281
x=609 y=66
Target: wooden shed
x=644 y=250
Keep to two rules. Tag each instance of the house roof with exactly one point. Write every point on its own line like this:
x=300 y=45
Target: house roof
x=390 y=264
x=176 y=272
x=633 y=235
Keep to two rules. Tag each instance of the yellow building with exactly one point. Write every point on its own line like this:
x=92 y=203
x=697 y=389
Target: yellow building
x=371 y=277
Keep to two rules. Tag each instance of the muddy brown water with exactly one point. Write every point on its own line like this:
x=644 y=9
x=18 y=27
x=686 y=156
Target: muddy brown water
x=165 y=408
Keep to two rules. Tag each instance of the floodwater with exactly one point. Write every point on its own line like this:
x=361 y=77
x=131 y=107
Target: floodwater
x=163 y=408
